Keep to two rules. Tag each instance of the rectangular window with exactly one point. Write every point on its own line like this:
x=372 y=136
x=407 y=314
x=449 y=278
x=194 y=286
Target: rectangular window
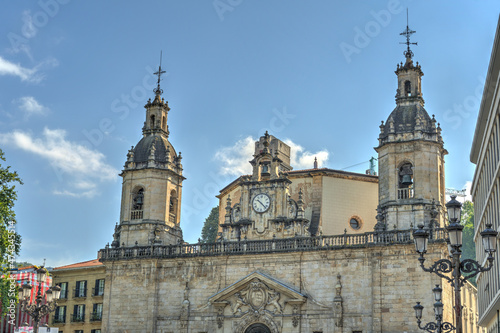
x=95 y=331
x=81 y=289
x=64 y=290
x=96 y=312
x=78 y=313
x=60 y=315
x=98 y=288
x=78 y=331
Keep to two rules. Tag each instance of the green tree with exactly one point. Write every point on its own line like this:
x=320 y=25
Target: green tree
x=210 y=227
x=10 y=240
x=468 y=247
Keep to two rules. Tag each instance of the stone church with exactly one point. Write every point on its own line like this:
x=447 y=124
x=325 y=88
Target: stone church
x=315 y=250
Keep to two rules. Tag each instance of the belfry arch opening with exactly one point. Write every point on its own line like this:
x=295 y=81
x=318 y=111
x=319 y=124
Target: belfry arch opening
x=405 y=181
x=172 y=207
x=137 y=204
x=408 y=88
x=152 y=121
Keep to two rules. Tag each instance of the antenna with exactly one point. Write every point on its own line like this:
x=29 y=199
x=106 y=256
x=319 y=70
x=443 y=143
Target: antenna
x=407 y=33
x=158 y=90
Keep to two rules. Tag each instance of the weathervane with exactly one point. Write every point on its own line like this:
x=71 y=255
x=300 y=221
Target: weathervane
x=407 y=33
x=158 y=90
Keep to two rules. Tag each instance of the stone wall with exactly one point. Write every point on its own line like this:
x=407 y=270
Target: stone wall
x=379 y=287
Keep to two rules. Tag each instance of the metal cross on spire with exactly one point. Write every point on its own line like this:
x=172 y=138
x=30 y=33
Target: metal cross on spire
x=158 y=90
x=407 y=33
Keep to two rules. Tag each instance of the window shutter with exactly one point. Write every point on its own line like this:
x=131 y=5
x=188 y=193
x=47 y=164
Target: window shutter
x=77 y=288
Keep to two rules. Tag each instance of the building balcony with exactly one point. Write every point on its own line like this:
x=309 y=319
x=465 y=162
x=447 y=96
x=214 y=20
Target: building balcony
x=77 y=318
x=96 y=292
x=80 y=293
x=96 y=316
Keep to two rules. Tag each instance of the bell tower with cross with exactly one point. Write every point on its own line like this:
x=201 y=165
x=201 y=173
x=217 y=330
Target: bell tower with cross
x=152 y=183
x=411 y=156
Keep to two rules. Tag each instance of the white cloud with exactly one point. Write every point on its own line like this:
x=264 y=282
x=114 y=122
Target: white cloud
x=85 y=167
x=26 y=74
x=30 y=106
x=303 y=159
x=234 y=160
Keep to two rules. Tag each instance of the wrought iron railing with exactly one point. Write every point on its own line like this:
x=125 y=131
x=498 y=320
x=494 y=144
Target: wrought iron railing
x=77 y=318
x=266 y=246
x=96 y=316
x=98 y=291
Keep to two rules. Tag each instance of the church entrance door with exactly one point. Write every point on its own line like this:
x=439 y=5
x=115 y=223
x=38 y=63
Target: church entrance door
x=258 y=328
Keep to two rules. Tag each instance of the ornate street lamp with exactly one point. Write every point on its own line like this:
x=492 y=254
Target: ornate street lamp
x=444 y=266
x=37 y=310
x=438 y=326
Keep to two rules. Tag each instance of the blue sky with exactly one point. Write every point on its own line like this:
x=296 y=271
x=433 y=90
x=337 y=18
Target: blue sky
x=74 y=77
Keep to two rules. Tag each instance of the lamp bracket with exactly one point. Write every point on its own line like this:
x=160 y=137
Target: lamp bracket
x=440 y=268
x=433 y=327
x=471 y=266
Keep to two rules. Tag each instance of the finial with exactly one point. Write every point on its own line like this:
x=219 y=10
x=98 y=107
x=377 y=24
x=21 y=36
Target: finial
x=407 y=33
x=158 y=90
x=315 y=163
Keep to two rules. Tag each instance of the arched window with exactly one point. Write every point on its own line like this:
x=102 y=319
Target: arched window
x=405 y=181
x=406 y=175
x=152 y=121
x=137 y=204
x=408 y=88
x=172 y=208
x=258 y=328
x=164 y=123
x=265 y=168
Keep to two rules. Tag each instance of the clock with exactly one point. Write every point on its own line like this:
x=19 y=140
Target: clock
x=261 y=203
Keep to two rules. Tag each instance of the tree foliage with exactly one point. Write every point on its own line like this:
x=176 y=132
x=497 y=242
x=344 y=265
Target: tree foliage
x=10 y=240
x=210 y=227
x=468 y=247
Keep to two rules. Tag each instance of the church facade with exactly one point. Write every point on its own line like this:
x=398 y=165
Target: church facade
x=315 y=250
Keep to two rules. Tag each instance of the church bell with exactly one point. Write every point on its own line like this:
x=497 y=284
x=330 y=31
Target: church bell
x=406 y=180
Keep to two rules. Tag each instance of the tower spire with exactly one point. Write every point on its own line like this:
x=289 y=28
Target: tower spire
x=407 y=33
x=158 y=91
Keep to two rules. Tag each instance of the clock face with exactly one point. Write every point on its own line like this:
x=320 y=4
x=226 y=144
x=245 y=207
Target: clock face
x=261 y=203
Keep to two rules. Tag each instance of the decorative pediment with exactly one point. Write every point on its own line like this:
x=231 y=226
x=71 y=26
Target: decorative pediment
x=255 y=293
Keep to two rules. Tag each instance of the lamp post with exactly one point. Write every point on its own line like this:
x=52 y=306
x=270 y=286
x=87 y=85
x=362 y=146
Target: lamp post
x=454 y=266
x=438 y=326
x=37 y=310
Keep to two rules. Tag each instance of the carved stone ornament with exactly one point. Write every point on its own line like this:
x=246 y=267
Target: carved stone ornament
x=220 y=317
x=256 y=297
x=259 y=300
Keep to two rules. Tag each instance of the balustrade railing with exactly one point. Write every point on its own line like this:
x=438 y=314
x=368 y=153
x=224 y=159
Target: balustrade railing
x=267 y=246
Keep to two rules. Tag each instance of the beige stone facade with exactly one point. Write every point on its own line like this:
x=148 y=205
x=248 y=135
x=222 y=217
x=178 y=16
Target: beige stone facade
x=295 y=291
x=331 y=199
x=485 y=191
x=82 y=295
x=315 y=250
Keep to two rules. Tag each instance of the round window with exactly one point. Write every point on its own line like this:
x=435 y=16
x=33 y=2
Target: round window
x=355 y=223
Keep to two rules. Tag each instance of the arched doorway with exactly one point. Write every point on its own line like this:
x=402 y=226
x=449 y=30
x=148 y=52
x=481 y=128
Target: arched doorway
x=258 y=328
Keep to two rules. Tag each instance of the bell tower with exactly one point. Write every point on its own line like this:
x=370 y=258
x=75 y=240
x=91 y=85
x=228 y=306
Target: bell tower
x=152 y=183
x=411 y=156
